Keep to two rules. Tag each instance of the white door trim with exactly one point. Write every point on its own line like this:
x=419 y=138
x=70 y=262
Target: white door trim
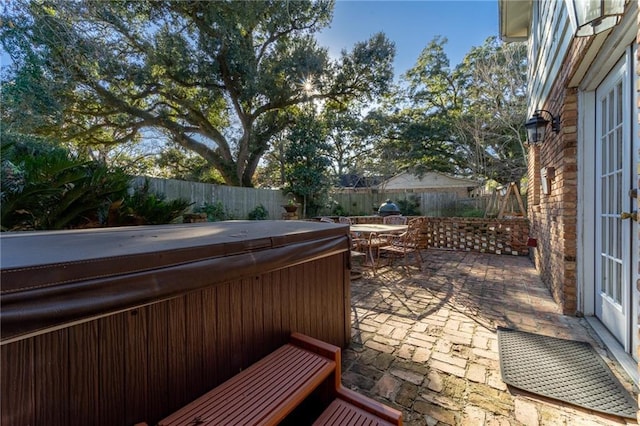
x=616 y=44
x=635 y=247
x=586 y=219
x=613 y=304
x=586 y=187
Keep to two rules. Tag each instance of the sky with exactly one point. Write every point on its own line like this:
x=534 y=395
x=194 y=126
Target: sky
x=411 y=25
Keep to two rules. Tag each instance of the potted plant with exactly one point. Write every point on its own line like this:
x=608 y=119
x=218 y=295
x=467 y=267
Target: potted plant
x=291 y=206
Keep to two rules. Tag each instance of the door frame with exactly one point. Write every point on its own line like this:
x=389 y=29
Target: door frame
x=621 y=41
x=618 y=317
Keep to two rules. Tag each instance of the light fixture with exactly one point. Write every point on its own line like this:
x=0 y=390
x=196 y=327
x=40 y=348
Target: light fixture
x=537 y=125
x=594 y=16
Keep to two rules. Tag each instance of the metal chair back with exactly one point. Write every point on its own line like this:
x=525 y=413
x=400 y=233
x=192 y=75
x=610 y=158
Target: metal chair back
x=344 y=220
x=394 y=220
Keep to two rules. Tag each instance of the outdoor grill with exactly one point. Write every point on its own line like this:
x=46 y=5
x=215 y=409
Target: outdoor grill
x=388 y=208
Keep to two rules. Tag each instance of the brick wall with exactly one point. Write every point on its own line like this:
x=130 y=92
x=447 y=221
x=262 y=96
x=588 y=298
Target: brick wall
x=497 y=236
x=553 y=215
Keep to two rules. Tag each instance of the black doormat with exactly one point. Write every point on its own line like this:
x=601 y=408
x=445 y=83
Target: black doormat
x=561 y=369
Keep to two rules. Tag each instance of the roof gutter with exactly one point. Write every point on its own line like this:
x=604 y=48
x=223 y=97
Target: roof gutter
x=515 y=19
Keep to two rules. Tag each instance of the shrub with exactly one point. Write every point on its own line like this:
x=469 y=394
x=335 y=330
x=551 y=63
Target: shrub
x=144 y=207
x=215 y=211
x=472 y=213
x=410 y=206
x=338 y=210
x=46 y=187
x=259 y=213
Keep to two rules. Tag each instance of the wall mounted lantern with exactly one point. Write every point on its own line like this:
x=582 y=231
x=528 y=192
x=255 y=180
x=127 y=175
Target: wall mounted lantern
x=537 y=125
x=594 y=16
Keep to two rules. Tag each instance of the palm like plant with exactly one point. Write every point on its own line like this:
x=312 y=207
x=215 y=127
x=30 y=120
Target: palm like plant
x=44 y=187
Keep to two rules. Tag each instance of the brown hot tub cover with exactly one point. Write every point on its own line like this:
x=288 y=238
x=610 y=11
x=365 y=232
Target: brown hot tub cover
x=58 y=277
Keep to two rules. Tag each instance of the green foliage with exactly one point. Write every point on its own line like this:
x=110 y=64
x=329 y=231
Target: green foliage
x=410 y=206
x=461 y=211
x=144 y=207
x=351 y=143
x=338 y=210
x=215 y=211
x=46 y=187
x=259 y=213
x=491 y=125
x=306 y=169
x=175 y=162
x=471 y=213
x=220 y=78
x=465 y=120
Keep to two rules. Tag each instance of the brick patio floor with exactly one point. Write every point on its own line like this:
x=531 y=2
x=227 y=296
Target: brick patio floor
x=425 y=341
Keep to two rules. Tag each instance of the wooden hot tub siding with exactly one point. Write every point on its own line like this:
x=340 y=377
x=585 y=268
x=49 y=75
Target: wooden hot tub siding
x=144 y=362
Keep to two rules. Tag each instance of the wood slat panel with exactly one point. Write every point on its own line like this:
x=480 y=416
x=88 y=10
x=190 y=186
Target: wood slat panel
x=304 y=280
x=16 y=367
x=83 y=373
x=261 y=347
x=136 y=367
x=343 y=306
x=140 y=367
x=322 y=307
x=51 y=367
x=278 y=309
x=158 y=361
x=235 y=328
x=266 y=390
x=342 y=413
x=268 y=308
x=111 y=382
x=247 y=322
x=337 y=308
x=194 y=342
x=225 y=366
x=210 y=346
x=285 y=300
x=176 y=366
x=273 y=309
x=292 y=289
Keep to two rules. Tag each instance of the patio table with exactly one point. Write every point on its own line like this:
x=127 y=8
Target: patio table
x=370 y=230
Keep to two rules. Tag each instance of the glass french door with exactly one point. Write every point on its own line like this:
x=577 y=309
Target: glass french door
x=615 y=226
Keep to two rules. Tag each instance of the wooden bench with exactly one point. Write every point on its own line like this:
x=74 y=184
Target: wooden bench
x=269 y=390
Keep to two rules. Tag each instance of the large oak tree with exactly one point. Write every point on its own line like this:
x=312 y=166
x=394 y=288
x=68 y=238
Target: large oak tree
x=218 y=78
x=464 y=120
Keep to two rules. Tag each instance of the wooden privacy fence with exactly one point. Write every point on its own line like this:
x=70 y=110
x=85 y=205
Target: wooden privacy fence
x=238 y=202
x=361 y=203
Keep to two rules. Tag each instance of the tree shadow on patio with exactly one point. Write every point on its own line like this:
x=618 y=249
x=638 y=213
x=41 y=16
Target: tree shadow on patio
x=491 y=290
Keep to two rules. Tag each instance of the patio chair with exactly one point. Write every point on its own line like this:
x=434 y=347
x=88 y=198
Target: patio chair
x=394 y=220
x=326 y=219
x=370 y=245
x=358 y=254
x=404 y=244
x=345 y=220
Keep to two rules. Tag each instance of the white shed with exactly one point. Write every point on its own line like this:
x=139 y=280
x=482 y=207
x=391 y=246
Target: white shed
x=429 y=182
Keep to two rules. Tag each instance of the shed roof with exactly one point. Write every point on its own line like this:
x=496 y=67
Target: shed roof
x=428 y=180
